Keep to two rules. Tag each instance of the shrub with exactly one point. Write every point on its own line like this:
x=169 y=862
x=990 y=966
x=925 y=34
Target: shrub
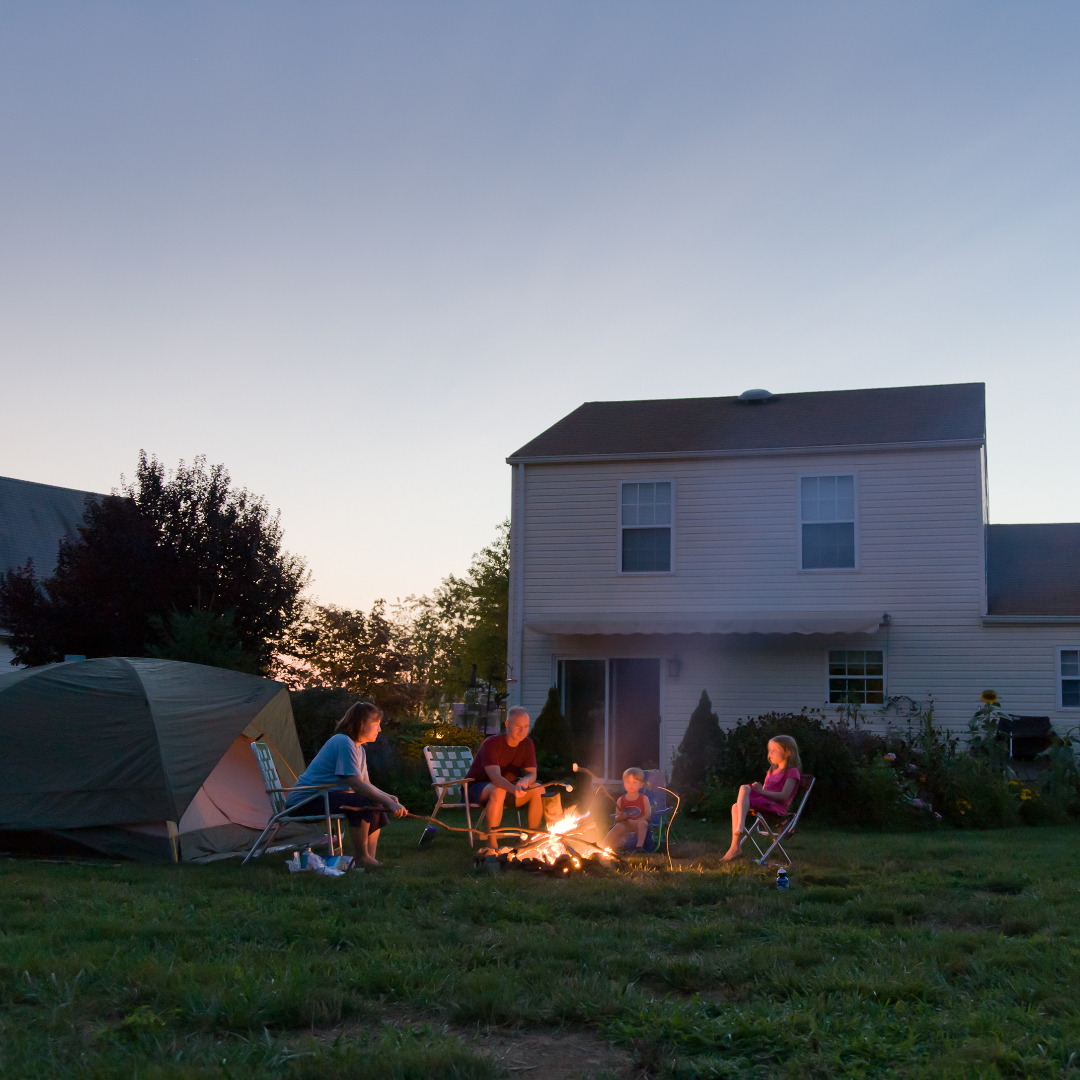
x=700 y=748
x=553 y=739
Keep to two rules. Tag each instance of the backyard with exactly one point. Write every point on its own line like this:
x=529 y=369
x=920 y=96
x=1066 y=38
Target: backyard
x=946 y=954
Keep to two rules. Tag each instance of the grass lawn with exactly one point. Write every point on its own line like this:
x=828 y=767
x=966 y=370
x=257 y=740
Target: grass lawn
x=944 y=955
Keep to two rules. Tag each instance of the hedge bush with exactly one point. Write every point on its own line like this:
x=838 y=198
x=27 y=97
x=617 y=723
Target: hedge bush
x=916 y=776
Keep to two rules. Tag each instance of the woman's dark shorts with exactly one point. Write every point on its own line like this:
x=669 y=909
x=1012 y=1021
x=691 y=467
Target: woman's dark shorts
x=355 y=807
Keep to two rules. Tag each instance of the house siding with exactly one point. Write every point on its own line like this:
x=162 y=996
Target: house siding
x=921 y=519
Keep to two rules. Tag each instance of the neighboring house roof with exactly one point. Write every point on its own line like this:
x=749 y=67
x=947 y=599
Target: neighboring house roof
x=688 y=427
x=1033 y=569
x=33 y=520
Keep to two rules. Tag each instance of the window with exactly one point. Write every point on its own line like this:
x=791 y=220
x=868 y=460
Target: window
x=856 y=676
x=645 y=544
x=1069 y=661
x=827 y=521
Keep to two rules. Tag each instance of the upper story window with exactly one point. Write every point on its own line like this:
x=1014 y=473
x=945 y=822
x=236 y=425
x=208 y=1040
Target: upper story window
x=827 y=522
x=645 y=527
x=1069 y=670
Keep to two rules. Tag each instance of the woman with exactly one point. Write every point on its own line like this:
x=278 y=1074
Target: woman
x=775 y=795
x=343 y=762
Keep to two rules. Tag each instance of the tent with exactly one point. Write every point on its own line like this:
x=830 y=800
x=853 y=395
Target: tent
x=148 y=759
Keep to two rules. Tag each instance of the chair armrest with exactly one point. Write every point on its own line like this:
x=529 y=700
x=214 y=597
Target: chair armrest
x=451 y=783
x=306 y=787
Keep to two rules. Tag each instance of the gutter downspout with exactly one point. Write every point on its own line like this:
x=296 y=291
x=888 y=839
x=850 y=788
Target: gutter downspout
x=517 y=625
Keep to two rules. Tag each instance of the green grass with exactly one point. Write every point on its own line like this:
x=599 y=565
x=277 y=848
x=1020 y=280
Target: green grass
x=944 y=955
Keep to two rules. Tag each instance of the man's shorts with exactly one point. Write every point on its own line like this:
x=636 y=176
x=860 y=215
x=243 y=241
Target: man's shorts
x=477 y=790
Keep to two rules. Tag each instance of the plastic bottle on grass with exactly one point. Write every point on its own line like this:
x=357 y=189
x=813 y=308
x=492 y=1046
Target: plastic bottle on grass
x=782 y=879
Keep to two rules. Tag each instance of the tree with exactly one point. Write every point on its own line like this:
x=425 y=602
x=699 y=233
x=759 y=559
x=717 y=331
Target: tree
x=201 y=637
x=165 y=546
x=409 y=657
x=368 y=655
x=553 y=738
x=700 y=748
x=464 y=622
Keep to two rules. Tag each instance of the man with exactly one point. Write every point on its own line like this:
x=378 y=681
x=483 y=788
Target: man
x=505 y=766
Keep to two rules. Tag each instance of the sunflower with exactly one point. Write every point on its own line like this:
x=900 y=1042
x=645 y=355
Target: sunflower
x=988 y=697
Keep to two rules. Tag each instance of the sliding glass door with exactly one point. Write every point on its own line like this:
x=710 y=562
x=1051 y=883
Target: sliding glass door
x=613 y=706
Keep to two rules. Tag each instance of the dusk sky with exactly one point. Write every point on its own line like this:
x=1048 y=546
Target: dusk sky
x=360 y=253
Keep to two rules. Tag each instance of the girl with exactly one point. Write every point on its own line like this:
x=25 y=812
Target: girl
x=343 y=762
x=775 y=795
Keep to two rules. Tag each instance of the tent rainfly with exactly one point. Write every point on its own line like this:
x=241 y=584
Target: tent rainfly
x=147 y=759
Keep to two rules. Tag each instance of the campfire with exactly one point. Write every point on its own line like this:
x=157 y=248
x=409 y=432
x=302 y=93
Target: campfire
x=569 y=846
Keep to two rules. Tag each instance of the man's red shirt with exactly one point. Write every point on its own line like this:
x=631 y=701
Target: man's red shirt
x=513 y=761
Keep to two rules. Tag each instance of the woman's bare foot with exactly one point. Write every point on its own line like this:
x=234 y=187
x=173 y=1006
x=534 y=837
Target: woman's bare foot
x=367 y=860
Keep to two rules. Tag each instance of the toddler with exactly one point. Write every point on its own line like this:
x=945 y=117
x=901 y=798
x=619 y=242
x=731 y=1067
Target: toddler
x=633 y=813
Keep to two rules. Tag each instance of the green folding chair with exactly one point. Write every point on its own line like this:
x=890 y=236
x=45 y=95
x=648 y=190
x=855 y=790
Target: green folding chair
x=282 y=814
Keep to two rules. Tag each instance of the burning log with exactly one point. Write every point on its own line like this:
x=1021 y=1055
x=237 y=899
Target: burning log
x=566 y=848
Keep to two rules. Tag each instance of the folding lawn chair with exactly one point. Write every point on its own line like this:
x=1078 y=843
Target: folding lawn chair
x=655 y=781
x=661 y=811
x=776 y=827
x=448 y=766
x=280 y=813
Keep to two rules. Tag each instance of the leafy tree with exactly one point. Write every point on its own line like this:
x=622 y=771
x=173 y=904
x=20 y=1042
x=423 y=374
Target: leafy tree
x=553 y=738
x=368 y=655
x=200 y=637
x=464 y=622
x=700 y=747
x=166 y=546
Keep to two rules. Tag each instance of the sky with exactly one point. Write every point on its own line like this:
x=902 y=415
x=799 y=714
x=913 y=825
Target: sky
x=361 y=252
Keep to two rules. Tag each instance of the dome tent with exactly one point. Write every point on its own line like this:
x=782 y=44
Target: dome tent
x=148 y=759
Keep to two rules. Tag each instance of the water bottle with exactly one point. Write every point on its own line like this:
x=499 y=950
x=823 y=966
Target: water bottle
x=781 y=879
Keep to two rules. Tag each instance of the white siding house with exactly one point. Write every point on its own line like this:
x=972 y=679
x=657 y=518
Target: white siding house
x=778 y=552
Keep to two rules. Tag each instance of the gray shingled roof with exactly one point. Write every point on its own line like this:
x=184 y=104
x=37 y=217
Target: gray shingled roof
x=1033 y=569
x=33 y=519
x=693 y=426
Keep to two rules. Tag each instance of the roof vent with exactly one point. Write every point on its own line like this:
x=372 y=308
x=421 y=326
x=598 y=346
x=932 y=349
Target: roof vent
x=755 y=395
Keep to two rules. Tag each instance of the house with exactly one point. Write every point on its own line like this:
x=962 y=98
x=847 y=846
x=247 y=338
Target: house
x=34 y=518
x=779 y=551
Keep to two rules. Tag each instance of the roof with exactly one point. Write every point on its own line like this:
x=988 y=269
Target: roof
x=33 y=520
x=1033 y=569
x=680 y=427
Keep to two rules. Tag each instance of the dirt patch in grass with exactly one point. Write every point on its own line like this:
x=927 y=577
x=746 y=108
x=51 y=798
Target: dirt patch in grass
x=565 y=1053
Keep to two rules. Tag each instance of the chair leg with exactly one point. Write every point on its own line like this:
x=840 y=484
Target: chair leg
x=438 y=806
x=468 y=811
x=254 y=852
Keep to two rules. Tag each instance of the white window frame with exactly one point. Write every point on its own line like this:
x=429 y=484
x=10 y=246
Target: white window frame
x=619 y=530
x=1059 y=678
x=855 y=648
x=799 y=523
